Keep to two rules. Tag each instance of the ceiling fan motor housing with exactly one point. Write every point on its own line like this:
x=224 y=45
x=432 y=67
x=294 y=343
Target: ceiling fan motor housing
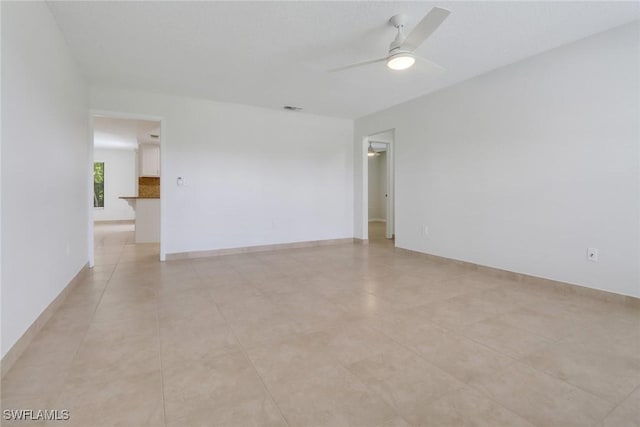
x=398 y=22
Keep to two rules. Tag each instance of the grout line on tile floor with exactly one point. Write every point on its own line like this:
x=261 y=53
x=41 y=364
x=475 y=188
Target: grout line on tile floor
x=620 y=403
x=164 y=406
x=246 y=355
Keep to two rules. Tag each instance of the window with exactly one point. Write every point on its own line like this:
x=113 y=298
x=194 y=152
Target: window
x=98 y=184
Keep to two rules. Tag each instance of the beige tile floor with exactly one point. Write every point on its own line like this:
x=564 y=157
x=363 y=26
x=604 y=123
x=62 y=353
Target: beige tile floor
x=346 y=335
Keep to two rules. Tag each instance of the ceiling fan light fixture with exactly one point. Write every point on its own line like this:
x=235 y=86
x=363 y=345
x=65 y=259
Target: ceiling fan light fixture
x=401 y=61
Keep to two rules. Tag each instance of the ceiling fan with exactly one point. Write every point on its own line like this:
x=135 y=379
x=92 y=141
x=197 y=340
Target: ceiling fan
x=401 y=51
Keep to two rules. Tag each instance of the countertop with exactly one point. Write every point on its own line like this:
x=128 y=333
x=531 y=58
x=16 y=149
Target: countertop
x=139 y=197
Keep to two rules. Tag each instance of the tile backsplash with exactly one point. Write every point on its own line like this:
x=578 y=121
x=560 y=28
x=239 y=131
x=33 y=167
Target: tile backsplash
x=148 y=186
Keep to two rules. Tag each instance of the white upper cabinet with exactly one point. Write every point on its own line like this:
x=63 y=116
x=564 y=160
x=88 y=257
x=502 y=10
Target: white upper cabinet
x=149 y=155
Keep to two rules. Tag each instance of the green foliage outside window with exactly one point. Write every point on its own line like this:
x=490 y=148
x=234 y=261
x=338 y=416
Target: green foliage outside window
x=98 y=185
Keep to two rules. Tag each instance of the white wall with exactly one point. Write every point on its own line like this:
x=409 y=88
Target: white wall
x=377 y=187
x=119 y=180
x=525 y=167
x=254 y=176
x=45 y=159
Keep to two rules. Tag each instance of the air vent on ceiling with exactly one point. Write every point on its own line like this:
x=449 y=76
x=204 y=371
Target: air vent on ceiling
x=292 y=108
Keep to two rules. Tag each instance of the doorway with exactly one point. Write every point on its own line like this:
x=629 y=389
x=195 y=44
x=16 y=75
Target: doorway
x=125 y=172
x=380 y=204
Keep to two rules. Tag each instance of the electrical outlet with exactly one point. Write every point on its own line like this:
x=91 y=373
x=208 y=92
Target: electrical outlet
x=592 y=254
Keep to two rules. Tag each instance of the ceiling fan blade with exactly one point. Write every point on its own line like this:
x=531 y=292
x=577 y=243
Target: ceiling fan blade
x=430 y=65
x=359 y=64
x=426 y=27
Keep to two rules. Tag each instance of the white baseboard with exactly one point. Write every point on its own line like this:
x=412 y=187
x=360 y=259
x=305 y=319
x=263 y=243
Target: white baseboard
x=23 y=342
x=261 y=248
x=115 y=221
x=561 y=287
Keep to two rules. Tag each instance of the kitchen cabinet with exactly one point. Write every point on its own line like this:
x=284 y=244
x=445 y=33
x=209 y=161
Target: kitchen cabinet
x=149 y=157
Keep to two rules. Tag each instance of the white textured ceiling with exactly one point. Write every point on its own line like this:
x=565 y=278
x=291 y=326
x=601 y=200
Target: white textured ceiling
x=123 y=134
x=275 y=53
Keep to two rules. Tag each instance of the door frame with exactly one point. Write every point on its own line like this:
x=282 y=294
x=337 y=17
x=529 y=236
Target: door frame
x=127 y=116
x=390 y=228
